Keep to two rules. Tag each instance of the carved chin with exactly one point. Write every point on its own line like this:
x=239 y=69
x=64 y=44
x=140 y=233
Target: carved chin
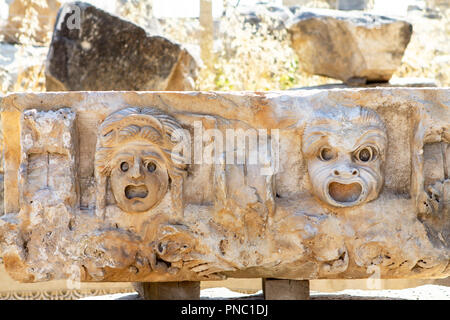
x=345 y=194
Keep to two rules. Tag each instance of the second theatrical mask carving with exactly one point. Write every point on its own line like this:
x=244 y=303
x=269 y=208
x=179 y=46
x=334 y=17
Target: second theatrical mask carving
x=345 y=152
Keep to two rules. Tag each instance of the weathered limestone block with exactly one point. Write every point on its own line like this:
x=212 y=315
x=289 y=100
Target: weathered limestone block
x=350 y=46
x=30 y=19
x=173 y=186
x=94 y=50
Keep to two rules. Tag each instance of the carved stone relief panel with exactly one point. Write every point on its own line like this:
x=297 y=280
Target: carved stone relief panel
x=126 y=186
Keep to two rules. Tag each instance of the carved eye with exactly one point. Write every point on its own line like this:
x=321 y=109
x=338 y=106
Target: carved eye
x=151 y=167
x=326 y=154
x=366 y=154
x=124 y=166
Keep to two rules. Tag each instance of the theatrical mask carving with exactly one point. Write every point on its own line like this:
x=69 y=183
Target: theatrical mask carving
x=134 y=150
x=345 y=152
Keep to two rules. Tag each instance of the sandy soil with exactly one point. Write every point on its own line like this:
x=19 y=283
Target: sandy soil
x=426 y=292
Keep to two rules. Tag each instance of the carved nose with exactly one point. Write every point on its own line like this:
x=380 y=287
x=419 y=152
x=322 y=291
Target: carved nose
x=346 y=172
x=136 y=170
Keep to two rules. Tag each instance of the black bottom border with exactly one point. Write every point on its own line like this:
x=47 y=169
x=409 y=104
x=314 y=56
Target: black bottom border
x=224 y=309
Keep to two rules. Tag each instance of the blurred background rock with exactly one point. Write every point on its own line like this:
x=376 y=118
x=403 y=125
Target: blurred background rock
x=249 y=52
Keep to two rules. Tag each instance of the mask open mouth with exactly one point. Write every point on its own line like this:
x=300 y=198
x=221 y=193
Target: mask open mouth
x=344 y=193
x=140 y=191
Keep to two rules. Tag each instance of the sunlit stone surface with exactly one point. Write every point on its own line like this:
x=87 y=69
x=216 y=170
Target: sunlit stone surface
x=147 y=186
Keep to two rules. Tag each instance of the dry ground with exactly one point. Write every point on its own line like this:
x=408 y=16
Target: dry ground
x=427 y=56
x=426 y=292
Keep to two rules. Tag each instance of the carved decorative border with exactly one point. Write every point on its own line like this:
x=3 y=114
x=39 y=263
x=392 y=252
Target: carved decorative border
x=59 y=294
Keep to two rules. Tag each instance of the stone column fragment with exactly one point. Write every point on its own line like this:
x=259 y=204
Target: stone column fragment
x=278 y=289
x=186 y=290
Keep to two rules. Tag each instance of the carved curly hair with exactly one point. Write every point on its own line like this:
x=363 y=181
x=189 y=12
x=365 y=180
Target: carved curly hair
x=356 y=116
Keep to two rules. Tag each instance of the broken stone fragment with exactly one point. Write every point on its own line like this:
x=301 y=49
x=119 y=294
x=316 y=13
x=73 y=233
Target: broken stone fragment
x=94 y=50
x=354 y=47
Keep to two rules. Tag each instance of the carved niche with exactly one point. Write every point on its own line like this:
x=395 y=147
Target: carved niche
x=49 y=157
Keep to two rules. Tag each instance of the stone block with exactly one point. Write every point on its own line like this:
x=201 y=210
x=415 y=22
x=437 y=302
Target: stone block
x=279 y=289
x=159 y=187
x=95 y=50
x=354 y=47
x=186 y=290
